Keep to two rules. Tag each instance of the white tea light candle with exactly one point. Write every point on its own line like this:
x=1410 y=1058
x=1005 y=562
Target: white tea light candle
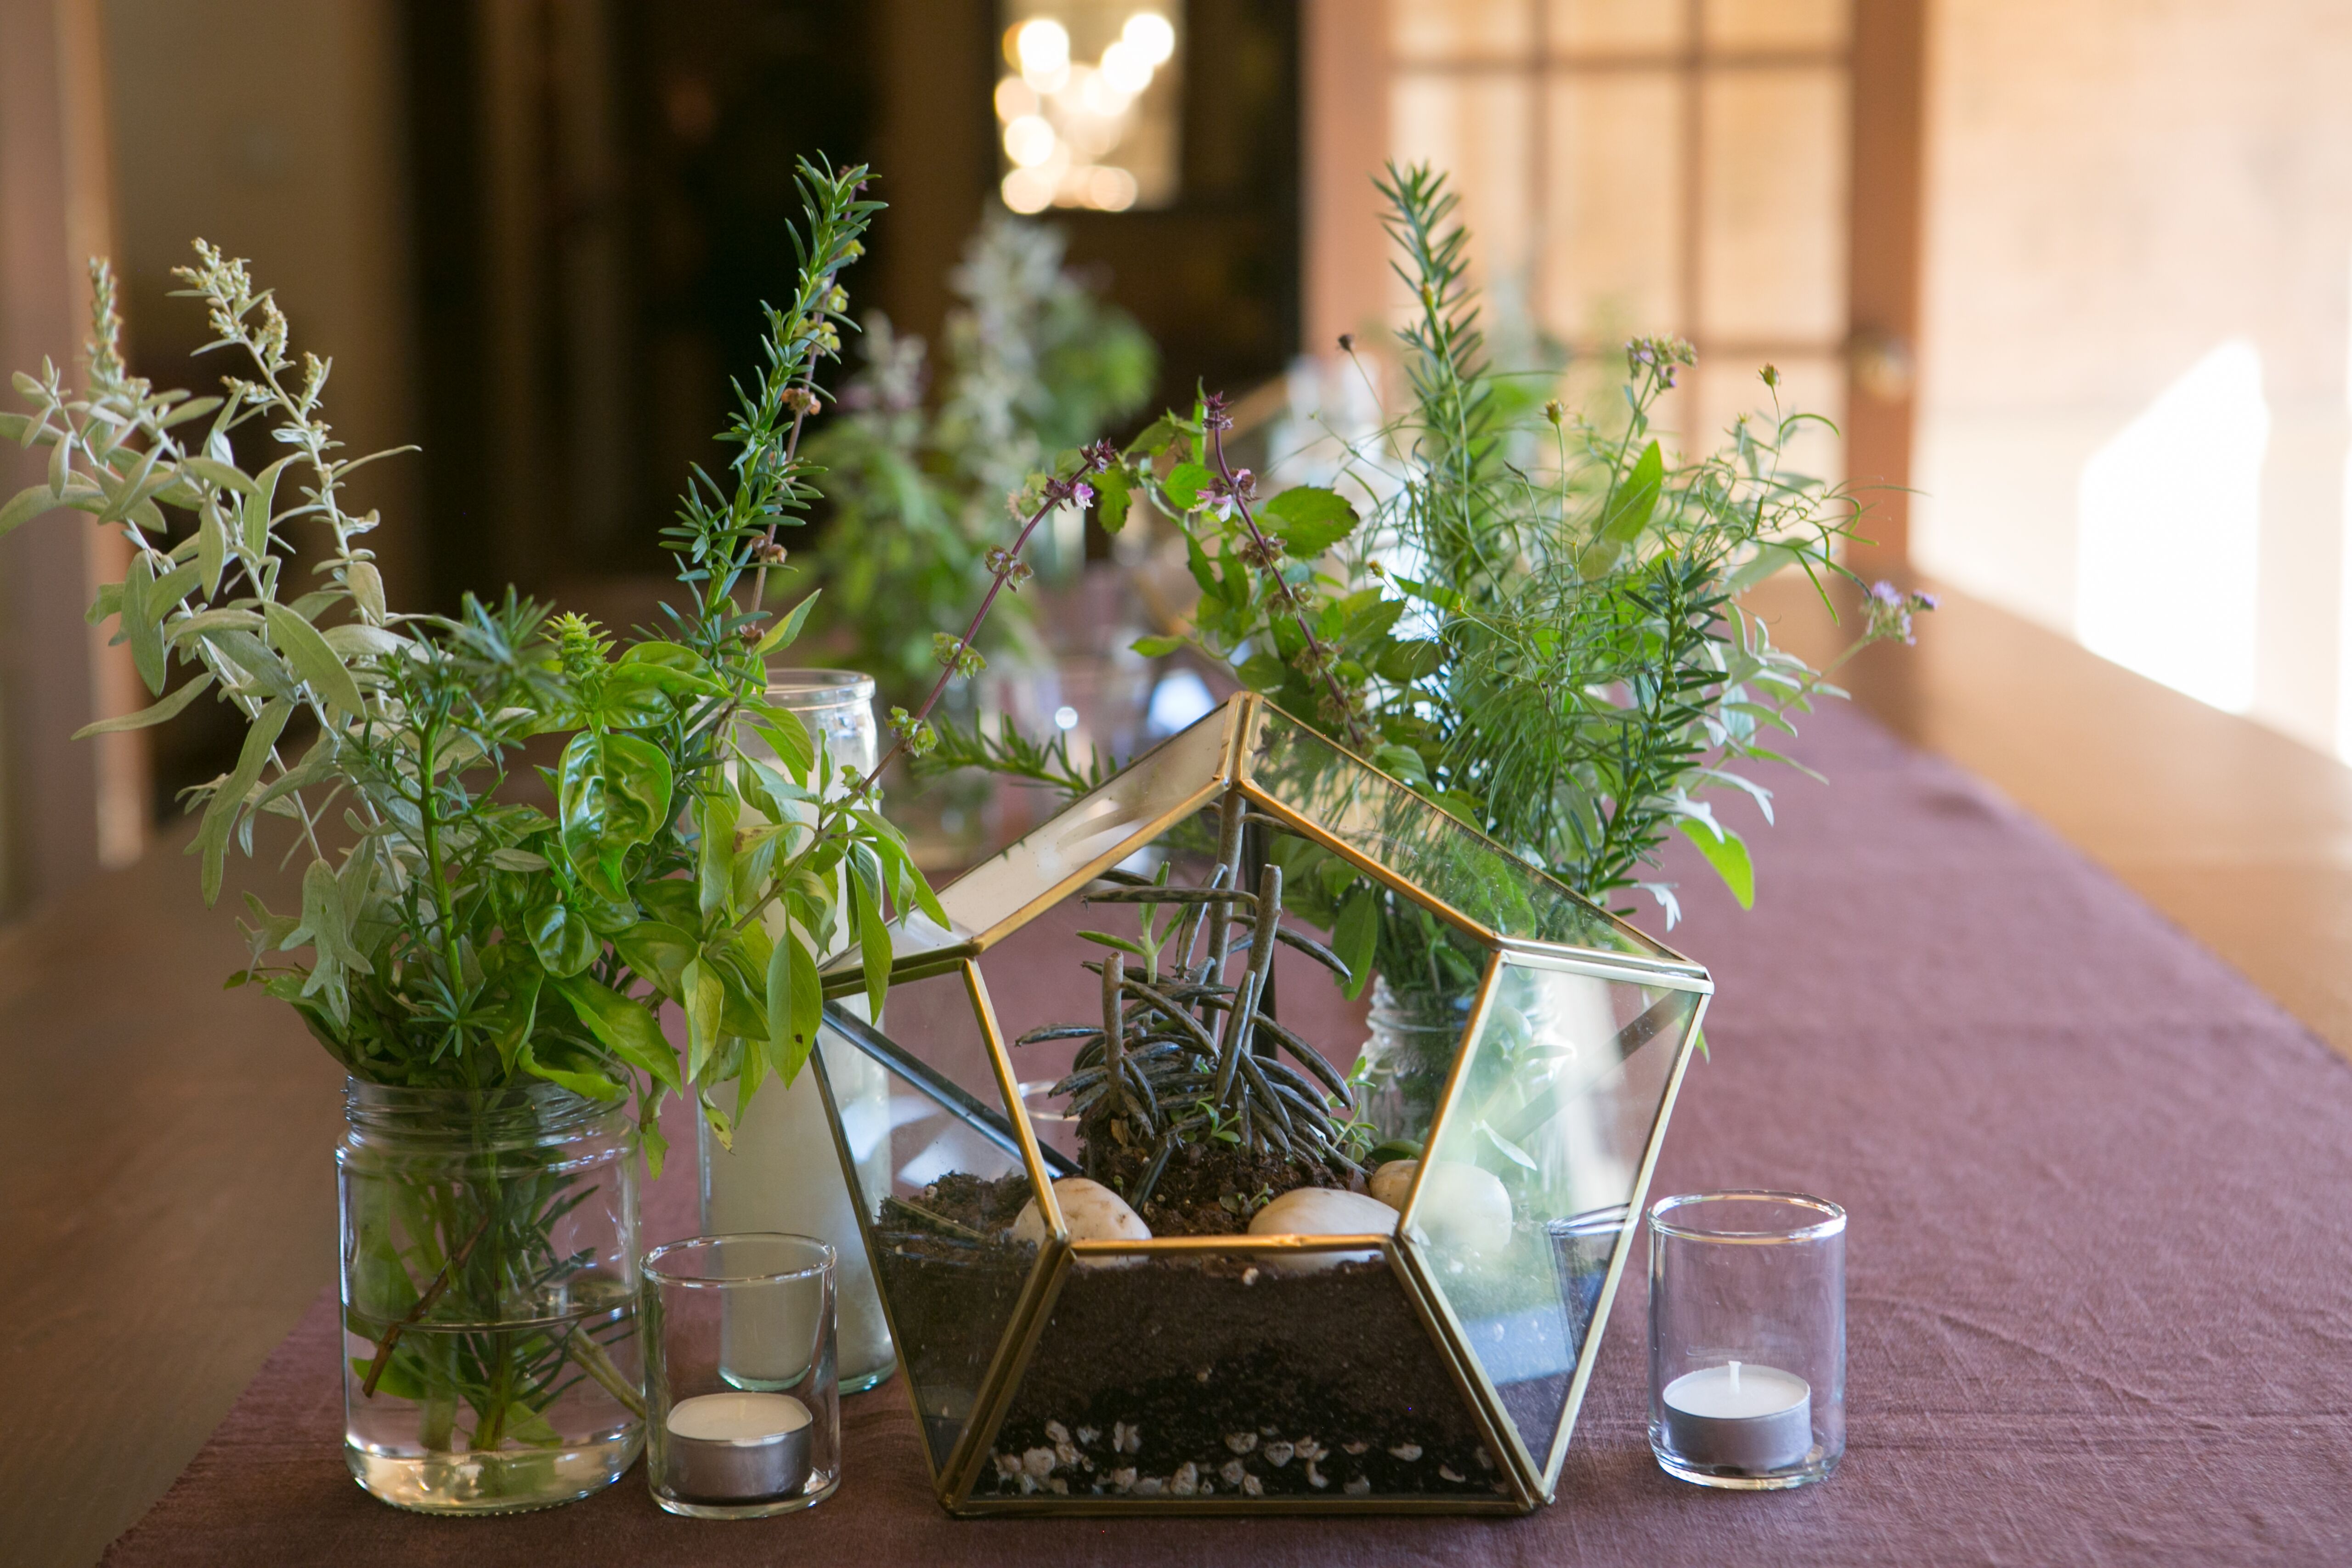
x=1741 y=1417
x=736 y=1448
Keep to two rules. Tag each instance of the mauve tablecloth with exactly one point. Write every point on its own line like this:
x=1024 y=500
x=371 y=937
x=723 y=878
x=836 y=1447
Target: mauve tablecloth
x=2100 y=1260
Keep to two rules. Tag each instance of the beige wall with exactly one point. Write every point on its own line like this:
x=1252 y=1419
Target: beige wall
x=273 y=128
x=2115 y=189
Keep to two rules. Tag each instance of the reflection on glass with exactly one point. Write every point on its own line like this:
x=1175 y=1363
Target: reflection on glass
x=1385 y=821
x=1533 y=1171
x=1088 y=108
x=939 y=1179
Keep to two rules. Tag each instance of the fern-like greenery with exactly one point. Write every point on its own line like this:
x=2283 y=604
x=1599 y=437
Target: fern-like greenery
x=1529 y=616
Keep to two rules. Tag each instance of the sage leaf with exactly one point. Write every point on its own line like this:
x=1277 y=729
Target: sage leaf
x=166 y=709
x=308 y=655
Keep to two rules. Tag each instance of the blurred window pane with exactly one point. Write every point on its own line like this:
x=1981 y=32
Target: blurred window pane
x=1615 y=27
x=1612 y=245
x=1454 y=29
x=1772 y=202
x=1777 y=24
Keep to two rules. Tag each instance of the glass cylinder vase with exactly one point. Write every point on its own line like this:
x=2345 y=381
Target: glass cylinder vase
x=1748 y=1338
x=783 y=1173
x=491 y=1362
x=731 y=1438
x=1406 y=1056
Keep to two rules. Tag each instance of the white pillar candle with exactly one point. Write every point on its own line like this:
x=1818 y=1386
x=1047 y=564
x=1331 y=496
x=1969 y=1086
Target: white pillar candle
x=1740 y=1417
x=736 y=1447
x=785 y=1175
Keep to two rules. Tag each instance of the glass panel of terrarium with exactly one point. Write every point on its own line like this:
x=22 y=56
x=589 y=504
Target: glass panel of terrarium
x=1096 y=831
x=1389 y=824
x=1226 y=1374
x=1048 y=1004
x=941 y=1181
x=1533 y=1172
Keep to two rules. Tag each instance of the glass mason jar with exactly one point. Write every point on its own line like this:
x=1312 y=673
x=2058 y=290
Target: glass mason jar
x=490 y=1285
x=1748 y=1338
x=1406 y=1058
x=784 y=1175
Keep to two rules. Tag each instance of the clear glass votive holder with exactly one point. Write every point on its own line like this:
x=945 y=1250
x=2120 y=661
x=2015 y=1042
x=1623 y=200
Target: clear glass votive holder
x=1748 y=1338
x=742 y=1407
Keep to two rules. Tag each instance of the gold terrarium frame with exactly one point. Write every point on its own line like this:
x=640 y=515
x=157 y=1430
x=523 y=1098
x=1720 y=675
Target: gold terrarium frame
x=1213 y=756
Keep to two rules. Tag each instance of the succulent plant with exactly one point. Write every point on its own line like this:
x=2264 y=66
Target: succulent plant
x=1185 y=1051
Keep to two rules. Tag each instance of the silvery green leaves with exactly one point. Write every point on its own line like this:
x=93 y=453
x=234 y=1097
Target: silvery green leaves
x=701 y=853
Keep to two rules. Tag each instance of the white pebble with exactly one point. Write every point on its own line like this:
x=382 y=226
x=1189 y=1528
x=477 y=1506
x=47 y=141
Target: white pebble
x=1241 y=1442
x=1087 y=1435
x=1464 y=1208
x=1233 y=1472
x=1278 y=1454
x=1149 y=1486
x=1058 y=1433
x=1311 y=1450
x=1188 y=1480
x=1357 y=1487
x=1408 y=1452
x=1123 y=1478
x=1094 y=1212
x=1447 y=1472
x=1316 y=1478
x=1392 y=1181
x=1355 y=1448
x=1038 y=1462
x=1252 y=1487
x=1322 y=1211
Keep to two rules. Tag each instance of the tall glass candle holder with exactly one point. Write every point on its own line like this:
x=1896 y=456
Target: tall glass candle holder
x=783 y=1173
x=742 y=1409
x=1748 y=1338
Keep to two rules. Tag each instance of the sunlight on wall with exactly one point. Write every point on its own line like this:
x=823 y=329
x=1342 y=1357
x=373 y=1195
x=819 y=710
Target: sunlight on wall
x=2169 y=517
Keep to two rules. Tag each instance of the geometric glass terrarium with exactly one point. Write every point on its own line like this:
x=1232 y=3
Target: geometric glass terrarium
x=1252 y=1348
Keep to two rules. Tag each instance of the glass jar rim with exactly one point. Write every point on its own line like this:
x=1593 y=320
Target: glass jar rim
x=721 y=1278
x=1831 y=1223
x=797 y=687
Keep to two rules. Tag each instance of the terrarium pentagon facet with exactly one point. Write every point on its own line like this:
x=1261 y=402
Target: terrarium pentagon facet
x=1144 y=1241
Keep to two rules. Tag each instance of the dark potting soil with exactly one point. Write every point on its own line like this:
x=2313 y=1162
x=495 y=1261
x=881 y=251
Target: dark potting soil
x=1177 y=1377
x=1206 y=1190
x=1199 y=1377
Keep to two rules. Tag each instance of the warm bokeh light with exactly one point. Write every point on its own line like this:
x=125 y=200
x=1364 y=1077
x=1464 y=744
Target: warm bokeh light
x=1150 y=36
x=1092 y=118
x=1029 y=140
x=1014 y=98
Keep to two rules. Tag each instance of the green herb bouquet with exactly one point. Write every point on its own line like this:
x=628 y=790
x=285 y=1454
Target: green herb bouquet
x=471 y=938
x=1530 y=617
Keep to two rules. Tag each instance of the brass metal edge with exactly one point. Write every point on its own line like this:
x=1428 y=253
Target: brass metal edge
x=1307 y=827
x=1008 y=1085
x=1096 y=867
x=1643 y=939
x=1586 y=1359
x=1470 y=1379
x=1046 y=1506
x=1254 y=1245
x=1526 y=1470
x=873 y=1250
x=1006 y=1368
x=1488 y=985
x=1611 y=966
